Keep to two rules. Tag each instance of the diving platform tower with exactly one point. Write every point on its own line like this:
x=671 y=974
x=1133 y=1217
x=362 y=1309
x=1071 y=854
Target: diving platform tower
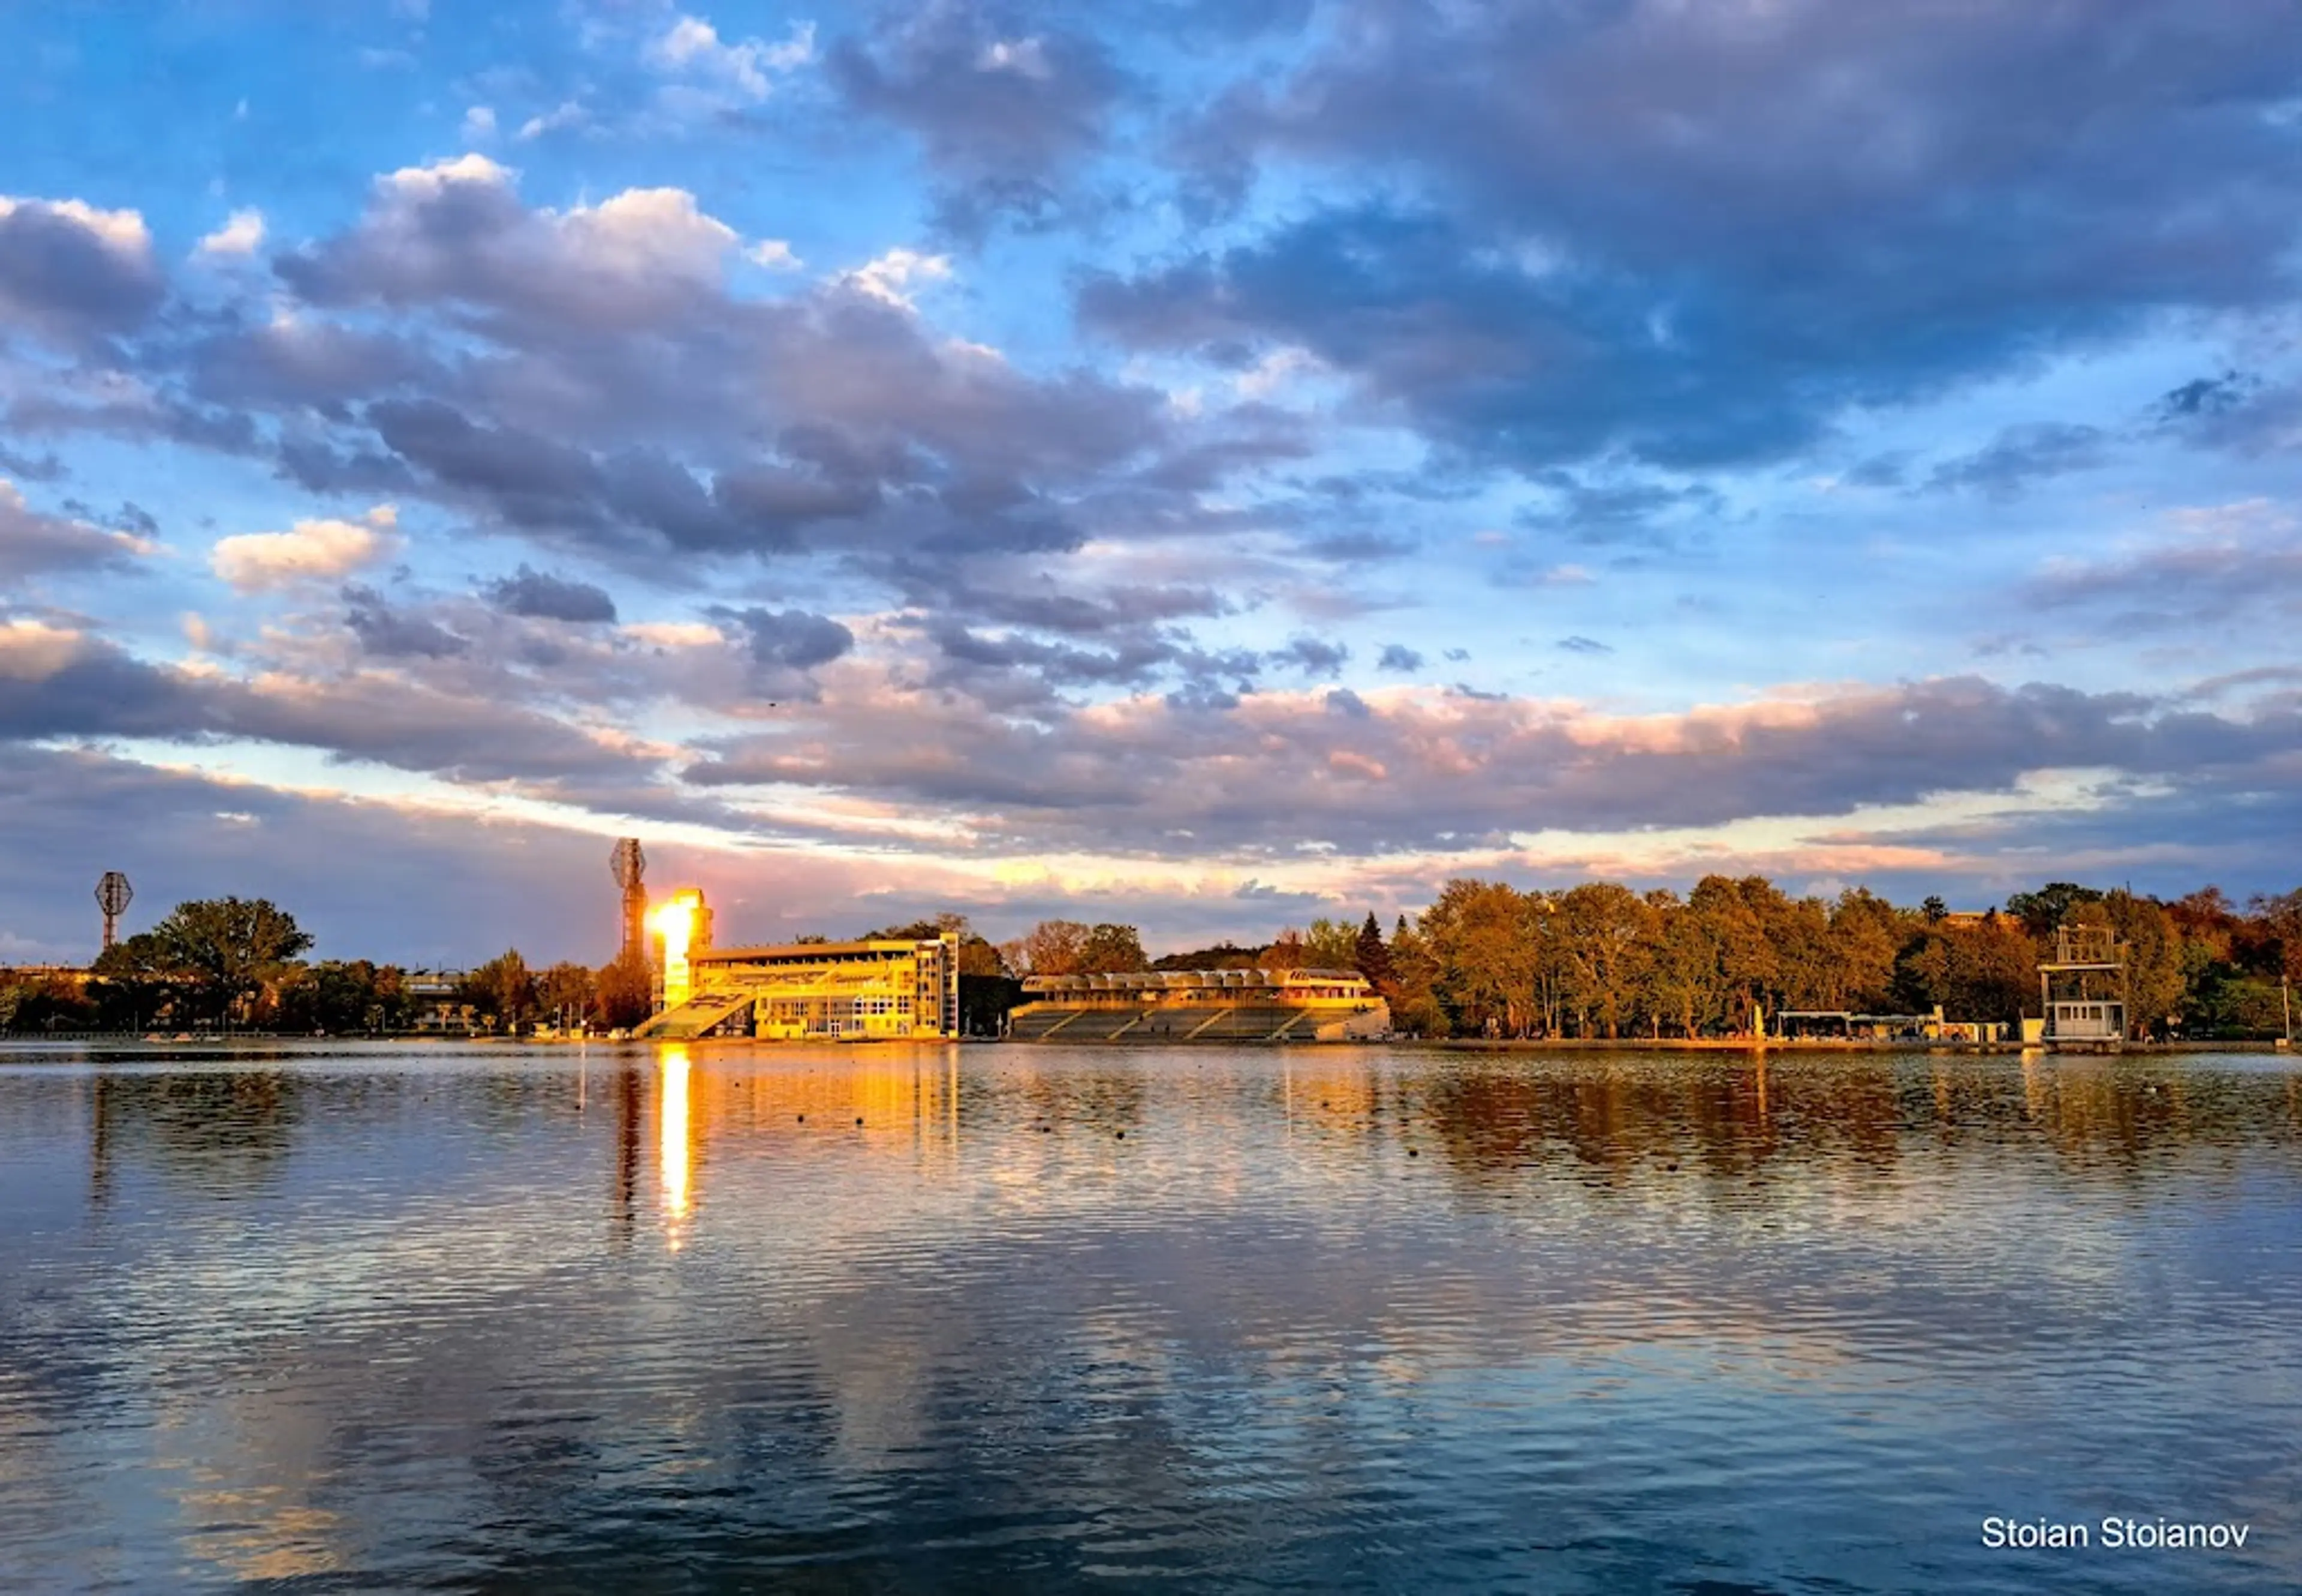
x=2082 y=989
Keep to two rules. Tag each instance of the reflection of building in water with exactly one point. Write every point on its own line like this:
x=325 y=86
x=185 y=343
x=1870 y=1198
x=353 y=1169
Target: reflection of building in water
x=672 y=1145
x=1201 y=1005
x=843 y=991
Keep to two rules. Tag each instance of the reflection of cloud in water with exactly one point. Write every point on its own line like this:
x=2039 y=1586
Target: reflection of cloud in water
x=981 y=1308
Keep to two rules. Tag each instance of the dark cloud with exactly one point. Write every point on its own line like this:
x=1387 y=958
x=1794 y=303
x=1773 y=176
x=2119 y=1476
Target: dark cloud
x=1313 y=656
x=32 y=468
x=391 y=634
x=1695 y=235
x=70 y=274
x=1583 y=645
x=33 y=544
x=1398 y=656
x=2020 y=456
x=1611 y=512
x=793 y=639
x=537 y=596
x=1275 y=772
x=1003 y=104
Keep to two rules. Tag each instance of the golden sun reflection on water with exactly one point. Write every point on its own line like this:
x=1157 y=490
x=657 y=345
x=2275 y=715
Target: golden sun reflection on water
x=672 y=1164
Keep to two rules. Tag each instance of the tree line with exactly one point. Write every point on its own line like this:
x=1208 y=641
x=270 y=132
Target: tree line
x=1594 y=960
x=1602 y=959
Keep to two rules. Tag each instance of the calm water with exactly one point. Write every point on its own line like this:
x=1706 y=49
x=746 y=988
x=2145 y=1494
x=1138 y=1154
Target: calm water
x=492 y=1318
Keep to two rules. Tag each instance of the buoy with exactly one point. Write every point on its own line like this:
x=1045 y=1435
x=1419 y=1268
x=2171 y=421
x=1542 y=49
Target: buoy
x=802 y=1119
x=1411 y=1152
x=1122 y=1136
x=859 y=1119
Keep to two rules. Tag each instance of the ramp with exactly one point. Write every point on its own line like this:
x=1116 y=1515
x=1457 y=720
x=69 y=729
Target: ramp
x=692 y=1018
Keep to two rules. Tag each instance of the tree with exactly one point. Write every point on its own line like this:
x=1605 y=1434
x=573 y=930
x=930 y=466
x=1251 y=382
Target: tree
x=2042 y=910
x=624 y=994
x=1054 y=947
x=1372 y=959
x=977 y=955
x=1605 y=933
x=1331 y=944
x=224 y=951
x=566 y=988
x=134 y=982
x=1112 y=950
x=502 y=989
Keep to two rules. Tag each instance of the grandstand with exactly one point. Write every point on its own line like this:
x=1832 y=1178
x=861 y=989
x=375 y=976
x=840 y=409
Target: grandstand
x=826 y=991
x=1211 y=1005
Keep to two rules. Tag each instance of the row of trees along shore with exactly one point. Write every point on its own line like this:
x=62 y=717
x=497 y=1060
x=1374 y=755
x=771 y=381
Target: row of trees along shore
x=1601 y=960
x=1485 y=958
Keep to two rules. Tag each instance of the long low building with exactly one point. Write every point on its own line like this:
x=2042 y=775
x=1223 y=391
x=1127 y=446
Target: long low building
x=1201 y=1005
x=820 y=991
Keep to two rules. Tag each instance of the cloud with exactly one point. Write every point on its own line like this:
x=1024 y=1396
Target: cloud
x=567 y=114
x=241 y=235
x=33 y=544
x=537 y=596
x=71 y=272
x=774 y=255
x=890 y=277
x=1555 y=234
x=1003 y=118
x=2220 y=563
x=1398 y=656
x=1583 y=645
x=2021 y=455
x=1459 y=771
x=391 y=633
x=321 y=550
x=692 y=46
x=792 y=638
x=479 y=124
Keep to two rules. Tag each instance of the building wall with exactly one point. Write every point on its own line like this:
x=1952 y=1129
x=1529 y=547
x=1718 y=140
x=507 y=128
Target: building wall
x=875 y=991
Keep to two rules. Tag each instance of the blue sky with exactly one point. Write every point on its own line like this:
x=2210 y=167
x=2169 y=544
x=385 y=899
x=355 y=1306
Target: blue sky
x=1206 y=465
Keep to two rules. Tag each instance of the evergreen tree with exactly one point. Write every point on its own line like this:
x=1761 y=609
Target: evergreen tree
x=1373 y=959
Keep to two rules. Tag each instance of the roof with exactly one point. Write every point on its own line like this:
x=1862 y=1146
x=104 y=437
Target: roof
x=809 y=950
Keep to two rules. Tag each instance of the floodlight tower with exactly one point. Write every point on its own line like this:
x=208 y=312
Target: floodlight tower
x=112 y=895
x=629 y=864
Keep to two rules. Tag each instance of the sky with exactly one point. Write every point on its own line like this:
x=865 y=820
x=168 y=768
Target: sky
x=1201 y=464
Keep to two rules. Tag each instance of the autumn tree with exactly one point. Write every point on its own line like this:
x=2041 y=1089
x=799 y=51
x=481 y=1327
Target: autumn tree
x=1054 y=947
x=219 y=953
x=1605 y=934
x=1112 y=950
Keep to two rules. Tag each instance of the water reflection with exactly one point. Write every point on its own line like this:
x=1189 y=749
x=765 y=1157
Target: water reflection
x=925 y=1317
x=671 y=1140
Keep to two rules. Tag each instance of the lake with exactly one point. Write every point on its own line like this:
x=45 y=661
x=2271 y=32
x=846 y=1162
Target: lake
x=407 y=1316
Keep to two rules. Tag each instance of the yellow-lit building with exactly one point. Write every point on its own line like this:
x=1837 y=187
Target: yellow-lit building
x=833 y=991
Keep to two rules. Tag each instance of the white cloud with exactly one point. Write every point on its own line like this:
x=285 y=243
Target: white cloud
x=469 y=168
x=891 y=276
x=308 y=552
x=1026 y=57
x=567 y=114
x=122 y=233
x=241 y=235
x=774 y=254
x=644 y=231
x=479 y=124
x=691 y=45
x=32 y=650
